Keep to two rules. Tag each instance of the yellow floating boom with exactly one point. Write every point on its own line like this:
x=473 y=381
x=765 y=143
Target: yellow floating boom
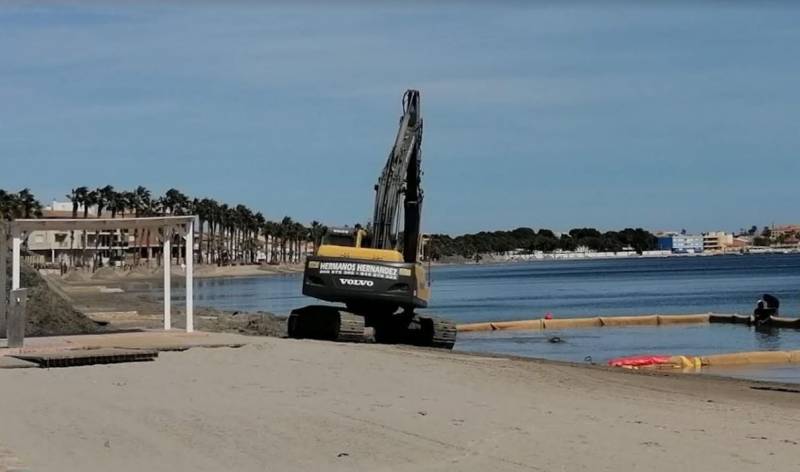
x=593 y=322
x=637 y=320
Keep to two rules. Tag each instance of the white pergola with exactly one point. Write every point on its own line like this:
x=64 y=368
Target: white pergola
x=166 y=225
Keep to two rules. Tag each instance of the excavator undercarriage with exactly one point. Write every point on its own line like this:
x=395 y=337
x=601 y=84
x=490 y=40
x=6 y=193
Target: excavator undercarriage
x=337 y=324
x=377 y=274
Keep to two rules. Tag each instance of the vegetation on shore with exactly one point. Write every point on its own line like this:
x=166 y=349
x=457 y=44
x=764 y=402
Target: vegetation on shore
x=21 y=204
x=235 y=234
x=545 y=240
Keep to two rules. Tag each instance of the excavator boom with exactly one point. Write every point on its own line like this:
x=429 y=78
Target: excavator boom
x=401 y=177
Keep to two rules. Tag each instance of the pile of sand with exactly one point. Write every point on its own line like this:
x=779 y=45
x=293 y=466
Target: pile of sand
x=76 y=276
x=104 y=273
x=259 y=324
x=48 y=313
x=143 y=271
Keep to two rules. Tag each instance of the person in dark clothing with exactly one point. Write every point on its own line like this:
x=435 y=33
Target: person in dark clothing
x=766 y=307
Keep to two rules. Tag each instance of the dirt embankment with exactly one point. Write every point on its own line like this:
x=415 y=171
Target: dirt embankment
x=132 y=300
x=48 y=312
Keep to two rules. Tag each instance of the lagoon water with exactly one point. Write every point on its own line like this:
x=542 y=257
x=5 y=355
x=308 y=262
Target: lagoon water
x=470 y=293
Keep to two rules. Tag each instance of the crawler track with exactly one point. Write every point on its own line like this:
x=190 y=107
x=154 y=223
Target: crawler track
x=442 y=332
x=328 y=323
x=332 y=323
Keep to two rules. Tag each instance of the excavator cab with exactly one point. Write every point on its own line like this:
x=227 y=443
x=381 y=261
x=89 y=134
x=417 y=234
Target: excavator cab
x=345 y=237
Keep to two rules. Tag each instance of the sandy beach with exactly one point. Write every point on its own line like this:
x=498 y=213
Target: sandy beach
x=278 y=404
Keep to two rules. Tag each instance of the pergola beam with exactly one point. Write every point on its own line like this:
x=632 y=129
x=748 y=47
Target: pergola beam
x=98 y=224
x=3 y=275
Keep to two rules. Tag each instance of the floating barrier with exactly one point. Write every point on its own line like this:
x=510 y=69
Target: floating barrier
x=697 y=362
x=683 y=319
x=594 y=322
x=572 y=323
x=647 y=320
x=615 y=321
x=639 y=361
x=731 y=319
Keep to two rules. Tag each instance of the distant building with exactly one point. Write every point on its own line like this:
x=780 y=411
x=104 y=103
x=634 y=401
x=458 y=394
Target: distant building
x=717 y=241
x=79 y=248
x=681 y=243
x=785 y=230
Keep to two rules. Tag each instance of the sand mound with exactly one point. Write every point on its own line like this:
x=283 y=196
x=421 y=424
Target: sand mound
x=76 y=276
x=48 y=313
x=106 y=273
x=258 y=324
x=141 y=271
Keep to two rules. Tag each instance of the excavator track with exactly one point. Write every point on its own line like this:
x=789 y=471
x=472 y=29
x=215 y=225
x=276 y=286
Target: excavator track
x=328 y=323
x=442 y=332
x=332 y=323
x=417 y=330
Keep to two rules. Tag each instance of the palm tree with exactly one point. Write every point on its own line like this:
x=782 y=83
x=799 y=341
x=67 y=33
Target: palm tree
x=30 y=206
x=203 y=208
x=243 y=221
x=258 y=224
x=11 y=206
x=270 y=229
x=103 y=198
x=76 y=197
x=317 y=232
x=142 y=205
x=175 y=201
x=213 y=224
x=301 y=238
x=285 y=233
x=223 y=250
x=89 y=199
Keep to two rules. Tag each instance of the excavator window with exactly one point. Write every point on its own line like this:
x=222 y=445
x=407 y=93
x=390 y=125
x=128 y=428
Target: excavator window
x=347 y=240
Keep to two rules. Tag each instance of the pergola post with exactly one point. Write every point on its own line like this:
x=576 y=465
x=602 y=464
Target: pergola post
x=189 y=277
x=3 y=276
x=15 y=258
x=167 y=278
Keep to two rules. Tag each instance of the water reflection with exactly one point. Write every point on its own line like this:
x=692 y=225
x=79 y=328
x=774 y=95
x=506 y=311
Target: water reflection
x=768 y=338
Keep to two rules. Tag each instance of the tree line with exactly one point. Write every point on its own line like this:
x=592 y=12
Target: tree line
x=228 y=234
x=20 y=204
x=545 y=240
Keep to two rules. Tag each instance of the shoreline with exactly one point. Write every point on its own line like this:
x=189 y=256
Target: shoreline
x=201 y=271
x=310 y=405
x=491 y=259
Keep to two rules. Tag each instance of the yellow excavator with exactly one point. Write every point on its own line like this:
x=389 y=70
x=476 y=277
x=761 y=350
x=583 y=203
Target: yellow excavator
x=377 y=273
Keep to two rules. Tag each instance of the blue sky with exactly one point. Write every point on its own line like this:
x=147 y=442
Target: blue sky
x=552 y=115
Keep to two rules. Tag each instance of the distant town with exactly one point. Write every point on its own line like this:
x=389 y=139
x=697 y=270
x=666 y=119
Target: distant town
x=579 y=243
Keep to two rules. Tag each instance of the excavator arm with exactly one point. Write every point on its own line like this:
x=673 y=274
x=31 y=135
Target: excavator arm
x=401 y=177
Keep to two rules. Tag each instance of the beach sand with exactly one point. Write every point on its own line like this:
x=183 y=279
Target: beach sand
x=280 y=404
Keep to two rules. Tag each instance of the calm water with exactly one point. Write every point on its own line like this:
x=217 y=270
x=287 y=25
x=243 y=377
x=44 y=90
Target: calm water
x=726 y=284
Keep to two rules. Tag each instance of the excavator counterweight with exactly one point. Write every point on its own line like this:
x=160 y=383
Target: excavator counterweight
x=377 y=274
